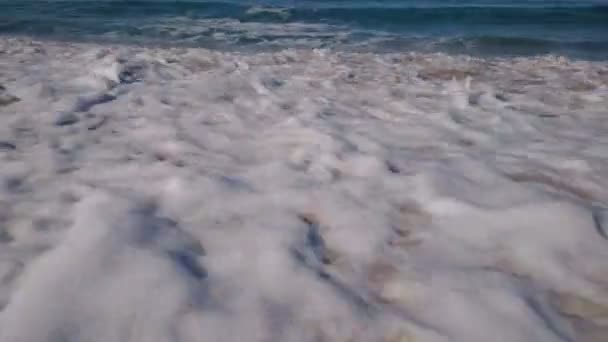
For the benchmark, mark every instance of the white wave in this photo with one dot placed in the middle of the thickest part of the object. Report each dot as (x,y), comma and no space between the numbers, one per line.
(203,25)
(282,13)
(175,194)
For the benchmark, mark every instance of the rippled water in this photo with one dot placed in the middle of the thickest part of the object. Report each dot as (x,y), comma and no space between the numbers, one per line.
(487,27)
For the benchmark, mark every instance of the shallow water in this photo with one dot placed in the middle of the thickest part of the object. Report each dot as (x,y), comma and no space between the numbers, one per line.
(187,195)
(486,27)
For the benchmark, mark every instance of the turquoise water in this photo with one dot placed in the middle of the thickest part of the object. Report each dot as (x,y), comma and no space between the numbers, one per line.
(494,27)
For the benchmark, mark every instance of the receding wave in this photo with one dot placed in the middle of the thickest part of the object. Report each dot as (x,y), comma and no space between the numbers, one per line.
(497,45)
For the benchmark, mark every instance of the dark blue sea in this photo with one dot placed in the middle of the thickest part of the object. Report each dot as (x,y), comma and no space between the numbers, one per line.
(577,28)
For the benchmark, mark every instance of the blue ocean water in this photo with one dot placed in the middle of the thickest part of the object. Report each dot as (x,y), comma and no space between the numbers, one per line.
(490,27)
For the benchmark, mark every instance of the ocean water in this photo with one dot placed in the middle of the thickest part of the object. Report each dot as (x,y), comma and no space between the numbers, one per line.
(577,28)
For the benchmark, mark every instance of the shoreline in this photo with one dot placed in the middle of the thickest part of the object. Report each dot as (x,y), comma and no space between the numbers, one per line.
(419,46)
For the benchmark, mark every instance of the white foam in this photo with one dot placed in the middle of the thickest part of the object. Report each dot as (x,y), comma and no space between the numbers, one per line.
(337,196)
(115,277)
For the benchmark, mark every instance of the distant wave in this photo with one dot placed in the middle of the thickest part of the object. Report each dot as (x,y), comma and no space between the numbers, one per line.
(266,13)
